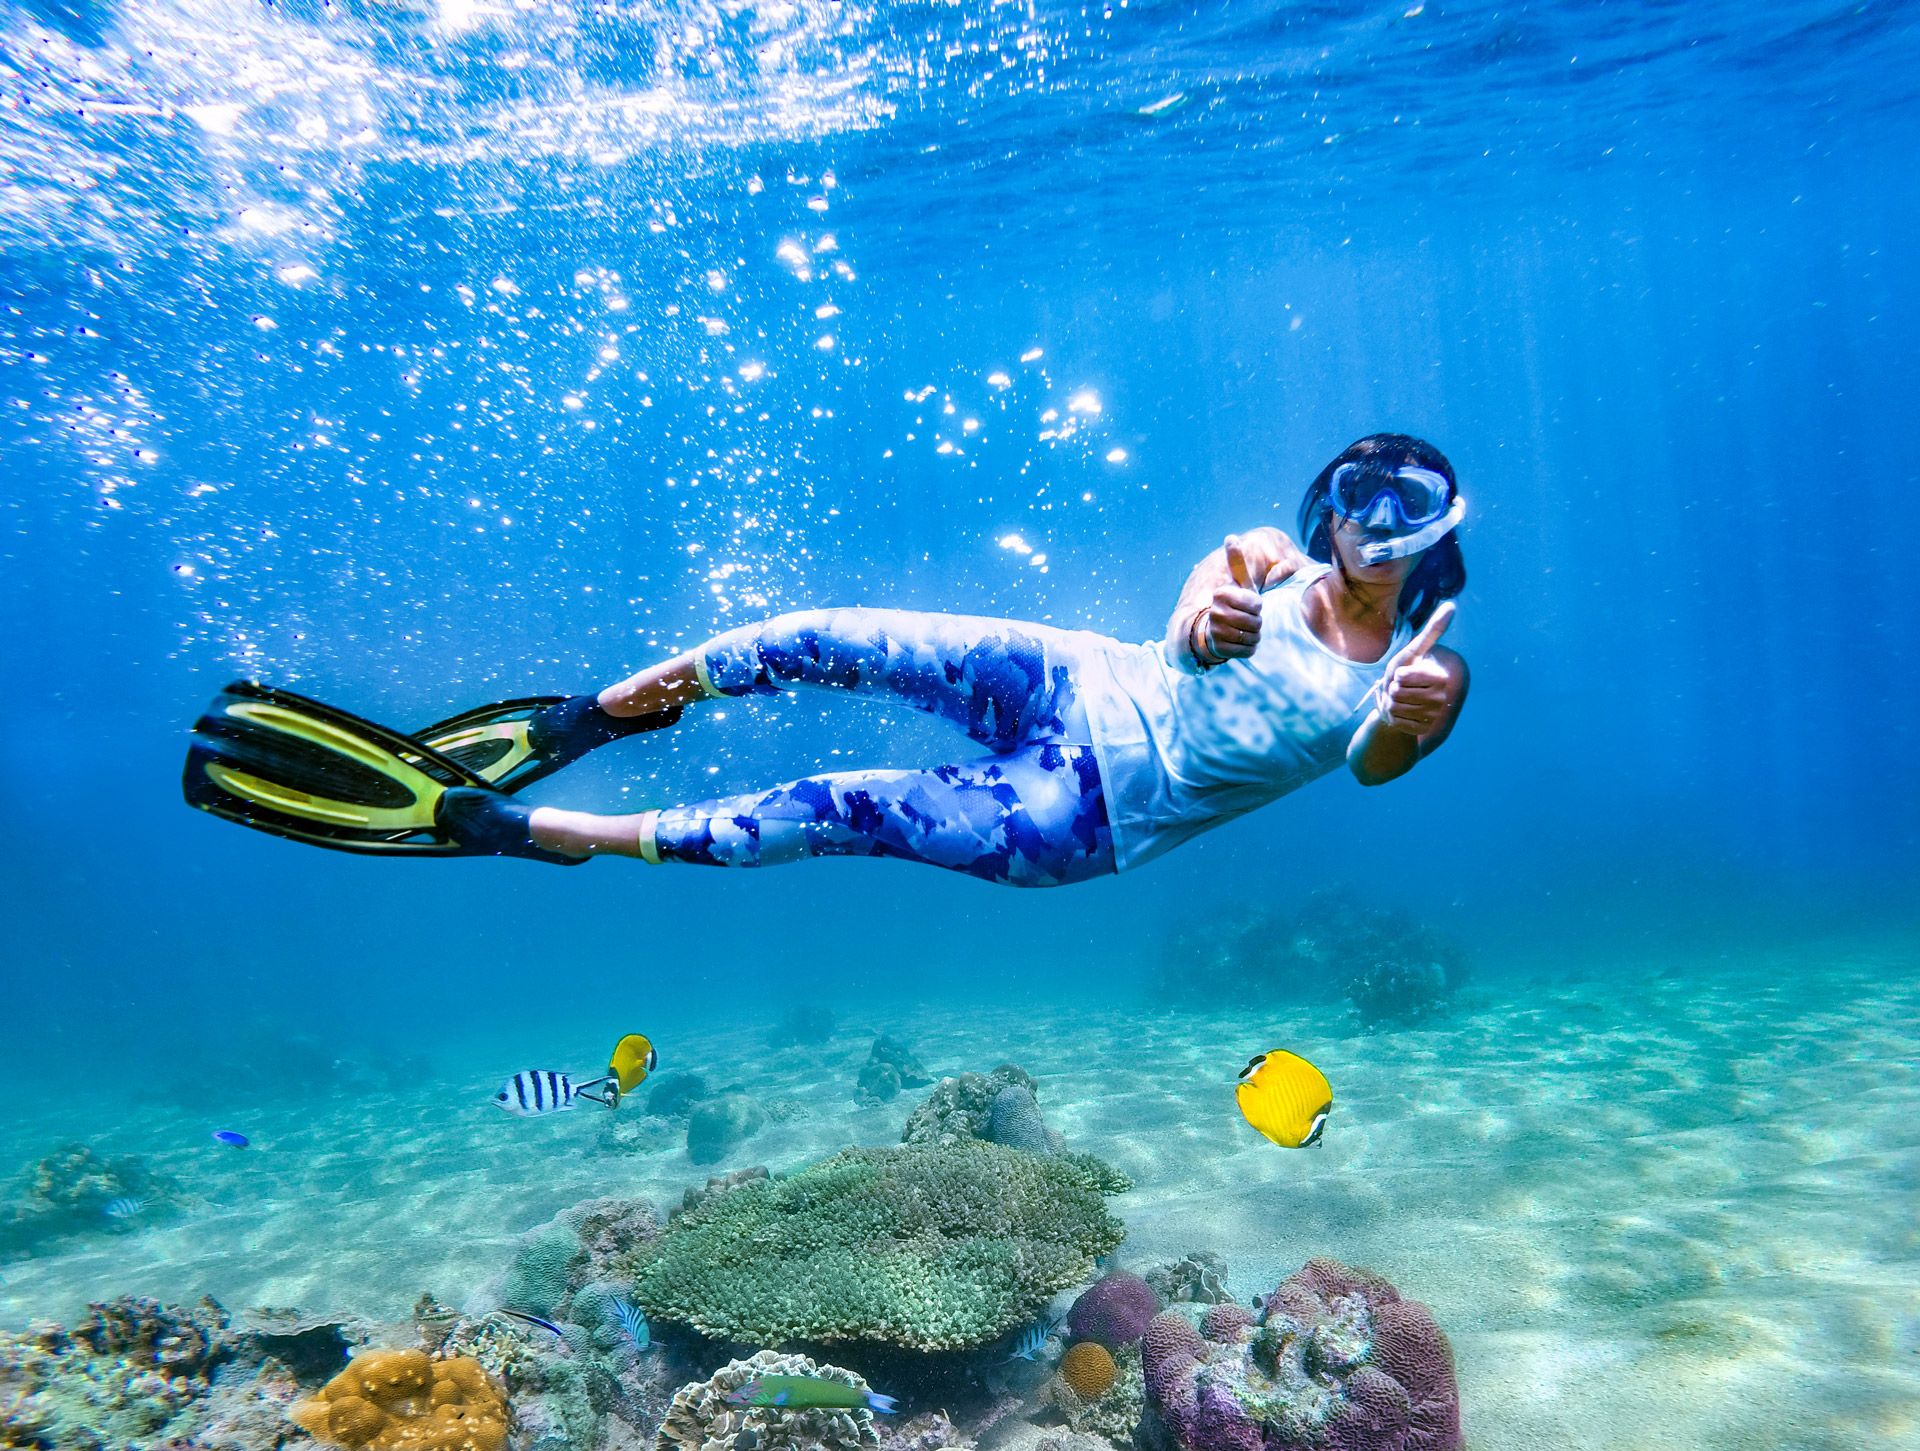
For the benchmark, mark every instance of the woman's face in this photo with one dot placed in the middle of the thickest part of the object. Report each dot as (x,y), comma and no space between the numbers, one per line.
(1348,536)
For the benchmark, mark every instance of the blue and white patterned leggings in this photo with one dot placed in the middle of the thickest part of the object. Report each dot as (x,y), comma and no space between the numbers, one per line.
(1030,815)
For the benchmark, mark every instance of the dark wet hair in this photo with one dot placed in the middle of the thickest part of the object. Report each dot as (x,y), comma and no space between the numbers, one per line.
(1442,571)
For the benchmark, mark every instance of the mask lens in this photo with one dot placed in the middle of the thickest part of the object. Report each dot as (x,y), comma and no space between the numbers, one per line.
(1418,495)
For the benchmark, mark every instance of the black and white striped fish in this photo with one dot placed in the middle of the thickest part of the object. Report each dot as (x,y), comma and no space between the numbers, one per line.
(537,1091)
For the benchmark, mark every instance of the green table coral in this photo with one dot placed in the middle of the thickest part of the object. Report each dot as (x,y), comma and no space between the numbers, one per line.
(928,1246)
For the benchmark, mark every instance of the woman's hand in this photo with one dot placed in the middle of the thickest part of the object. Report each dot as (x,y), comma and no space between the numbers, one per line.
(1230,628)
(1415,691)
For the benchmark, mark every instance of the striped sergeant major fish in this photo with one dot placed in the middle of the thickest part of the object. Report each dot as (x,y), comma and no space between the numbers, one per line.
(534,1092)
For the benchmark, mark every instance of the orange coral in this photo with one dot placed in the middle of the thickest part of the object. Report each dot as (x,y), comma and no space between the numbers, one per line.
(1088,1369)
(402,1400)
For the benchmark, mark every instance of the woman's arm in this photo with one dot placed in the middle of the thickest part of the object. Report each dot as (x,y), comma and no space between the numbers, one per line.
(1423,702)
(1218,616)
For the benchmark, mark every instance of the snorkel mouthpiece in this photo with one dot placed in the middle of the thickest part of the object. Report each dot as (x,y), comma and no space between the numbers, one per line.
(1378,551)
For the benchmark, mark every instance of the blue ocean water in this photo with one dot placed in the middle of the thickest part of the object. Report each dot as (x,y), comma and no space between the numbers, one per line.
(412,355)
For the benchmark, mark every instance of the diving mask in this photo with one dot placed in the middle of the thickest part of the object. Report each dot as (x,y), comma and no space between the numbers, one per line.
(1407,506)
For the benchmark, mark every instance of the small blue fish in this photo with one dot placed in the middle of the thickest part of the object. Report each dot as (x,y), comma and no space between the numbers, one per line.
(547,1325)
(1033,1340)
(127,1206)
(633,1324)
(231,1139)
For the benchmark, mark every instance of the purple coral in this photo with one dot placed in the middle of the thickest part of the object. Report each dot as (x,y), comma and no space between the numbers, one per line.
(1114,1310)
(1339,1362)
(1224,1322)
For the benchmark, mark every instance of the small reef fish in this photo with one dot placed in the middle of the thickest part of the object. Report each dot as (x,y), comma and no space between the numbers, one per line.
(231,1139)
(525,1318)
(1032,1340)
(806,1393)
(1285,1097)
(632,1060)
(536,1091)
(632,1323)
(127,1206)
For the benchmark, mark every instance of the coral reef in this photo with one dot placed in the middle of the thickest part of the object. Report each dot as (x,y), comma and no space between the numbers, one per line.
(701,1417)
(1201,1278)
(1013,1119)
(614,1234)
(877,1083)
(674,1094)
(959,1108)
(1115,1310)
(69,1192)
(405,1400)
(1336,1361)
(1391,968)
(890,1067)
(591,1393)
(136,1373)
(928,1431)
(803,1025)
(717,1184)
(721,1124)
(927,1246)
(540,1275)
(1088,1369)
(1098,1392)
(312,1347)
(594,1240)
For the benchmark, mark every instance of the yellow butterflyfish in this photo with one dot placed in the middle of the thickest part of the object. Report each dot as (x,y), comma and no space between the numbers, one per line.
(1285,1097)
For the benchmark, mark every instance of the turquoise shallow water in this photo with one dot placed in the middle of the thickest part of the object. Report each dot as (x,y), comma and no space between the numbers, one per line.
(1655,1207)
(415,355)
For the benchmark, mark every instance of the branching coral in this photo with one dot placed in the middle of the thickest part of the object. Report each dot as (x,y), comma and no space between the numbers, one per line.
(404,1400)
(928,1246)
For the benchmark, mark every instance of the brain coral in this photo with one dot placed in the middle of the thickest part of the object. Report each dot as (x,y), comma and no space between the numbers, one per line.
(402,1400)
(927,1246)
(702,1419)
(1114,1310)
(1013,1119)
(1088,1367)
(959,1108)
(1338,1362)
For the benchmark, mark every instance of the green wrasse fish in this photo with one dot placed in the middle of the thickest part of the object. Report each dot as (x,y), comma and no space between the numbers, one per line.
(806,1393)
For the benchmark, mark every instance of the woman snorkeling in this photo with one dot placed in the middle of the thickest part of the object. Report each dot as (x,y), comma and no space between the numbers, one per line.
(1277,665)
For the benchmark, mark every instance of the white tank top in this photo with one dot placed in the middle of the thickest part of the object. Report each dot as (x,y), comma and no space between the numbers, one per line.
(1181,753)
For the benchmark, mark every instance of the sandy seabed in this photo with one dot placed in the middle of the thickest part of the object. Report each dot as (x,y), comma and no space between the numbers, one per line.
(1672,1209)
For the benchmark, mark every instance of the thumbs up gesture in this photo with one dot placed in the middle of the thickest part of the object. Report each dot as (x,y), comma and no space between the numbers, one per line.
(1411,694)
(1230,628)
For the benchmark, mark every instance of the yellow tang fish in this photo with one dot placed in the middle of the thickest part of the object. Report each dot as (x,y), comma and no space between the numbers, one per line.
(1285,1097)
(633,1059)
